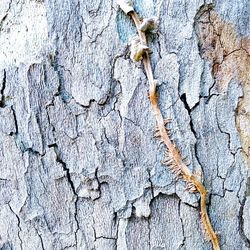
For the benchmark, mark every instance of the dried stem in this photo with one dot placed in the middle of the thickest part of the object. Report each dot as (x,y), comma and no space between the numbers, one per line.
(173,158)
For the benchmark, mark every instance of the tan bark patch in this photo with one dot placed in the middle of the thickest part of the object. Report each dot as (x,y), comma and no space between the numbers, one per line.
(230,57)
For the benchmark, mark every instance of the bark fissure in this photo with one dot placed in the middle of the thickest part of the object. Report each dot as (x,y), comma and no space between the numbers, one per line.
(241,224)
(41,240)
(19,226)
(61,88)
(68,176)
(5,16)
(2,101)
(182,226)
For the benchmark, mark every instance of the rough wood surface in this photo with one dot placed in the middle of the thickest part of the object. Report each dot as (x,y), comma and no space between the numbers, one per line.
(79,167)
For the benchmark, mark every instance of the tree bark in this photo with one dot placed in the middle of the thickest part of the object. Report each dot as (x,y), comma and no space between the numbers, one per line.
(79,167)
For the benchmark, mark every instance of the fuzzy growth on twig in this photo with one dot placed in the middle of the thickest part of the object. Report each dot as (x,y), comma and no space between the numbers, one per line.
(173,158)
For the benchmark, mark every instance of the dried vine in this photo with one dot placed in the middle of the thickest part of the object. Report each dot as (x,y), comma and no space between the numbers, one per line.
(173,159)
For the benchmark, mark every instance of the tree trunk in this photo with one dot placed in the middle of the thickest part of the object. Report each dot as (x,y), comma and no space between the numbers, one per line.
(79,167)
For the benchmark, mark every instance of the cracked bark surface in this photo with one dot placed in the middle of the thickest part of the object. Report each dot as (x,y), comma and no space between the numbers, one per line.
(80,168)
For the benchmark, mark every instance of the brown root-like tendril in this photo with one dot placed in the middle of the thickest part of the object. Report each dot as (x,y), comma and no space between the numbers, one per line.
(173,158)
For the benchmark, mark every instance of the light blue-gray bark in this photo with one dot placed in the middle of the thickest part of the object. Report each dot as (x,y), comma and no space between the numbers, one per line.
(79,167)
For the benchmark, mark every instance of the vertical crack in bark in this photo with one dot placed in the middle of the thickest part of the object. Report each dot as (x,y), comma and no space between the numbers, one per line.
(151,183)
(40,238)
(2,101)
(241,224)
(15,119)
(49,121)
(5,16)
(149,232)
(117,229)
(223,132)
(61,91)
(99,190)
(93,227)
(18,141)
(78,10)
(241,213)
(184,101)
(19,227)
(182,226)
(64,165)
(116,222)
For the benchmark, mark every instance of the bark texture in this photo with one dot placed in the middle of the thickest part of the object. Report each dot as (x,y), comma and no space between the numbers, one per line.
(79,167)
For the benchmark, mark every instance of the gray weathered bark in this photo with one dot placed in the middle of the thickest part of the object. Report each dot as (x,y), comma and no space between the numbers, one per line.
(80,168)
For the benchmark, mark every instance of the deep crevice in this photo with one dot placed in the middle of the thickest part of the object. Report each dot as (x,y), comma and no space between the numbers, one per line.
(64,165)
(182,226)
(184,101)
(15,119)
(41,240)
(241,224)
(19,227)
(151,183)
(5,16)
(61,91)
(2,101)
